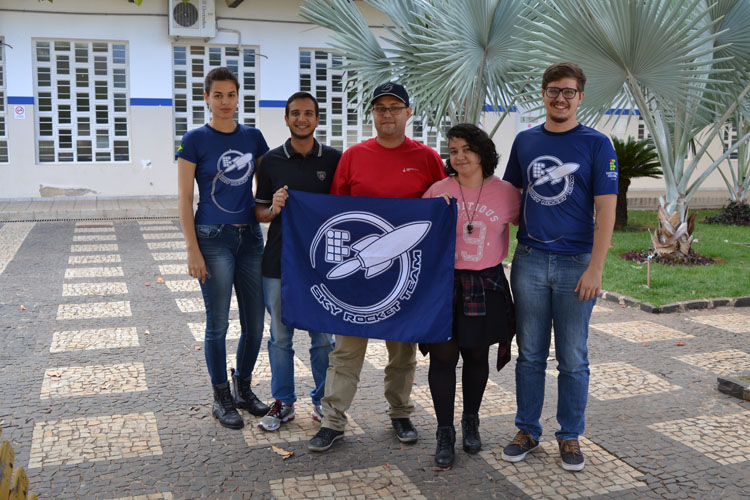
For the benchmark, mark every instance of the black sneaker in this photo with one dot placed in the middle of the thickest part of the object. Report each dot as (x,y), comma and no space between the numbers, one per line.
(521,446)
(324,439)
(405,430)
(570,453)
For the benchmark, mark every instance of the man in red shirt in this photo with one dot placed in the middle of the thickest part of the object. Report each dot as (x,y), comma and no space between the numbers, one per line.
(389,165)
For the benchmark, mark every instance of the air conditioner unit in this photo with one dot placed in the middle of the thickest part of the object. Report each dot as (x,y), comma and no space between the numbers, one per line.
(192,18)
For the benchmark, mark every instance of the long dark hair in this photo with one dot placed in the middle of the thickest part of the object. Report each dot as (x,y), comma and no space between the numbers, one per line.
(479,142)
(220,74)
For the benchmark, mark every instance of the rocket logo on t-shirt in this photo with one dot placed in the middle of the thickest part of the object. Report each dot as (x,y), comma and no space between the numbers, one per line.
(233,167)
(550,180)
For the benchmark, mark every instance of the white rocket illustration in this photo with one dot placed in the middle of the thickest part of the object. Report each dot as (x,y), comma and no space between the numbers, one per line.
(375,254)
(553,175)
(239,163)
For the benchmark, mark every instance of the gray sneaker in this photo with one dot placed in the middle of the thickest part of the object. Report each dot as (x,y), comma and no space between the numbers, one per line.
(277,415)
(317,413)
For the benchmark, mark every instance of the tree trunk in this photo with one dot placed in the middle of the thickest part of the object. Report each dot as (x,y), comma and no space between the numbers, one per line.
(621,211)
(672,237)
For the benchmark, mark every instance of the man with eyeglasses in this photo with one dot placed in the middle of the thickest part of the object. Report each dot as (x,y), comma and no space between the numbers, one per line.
(389,165)
(567,174)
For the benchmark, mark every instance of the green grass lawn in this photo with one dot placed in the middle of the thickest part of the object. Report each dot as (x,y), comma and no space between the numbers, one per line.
(728,278)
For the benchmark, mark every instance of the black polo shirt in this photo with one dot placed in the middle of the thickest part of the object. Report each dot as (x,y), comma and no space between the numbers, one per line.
(281,167)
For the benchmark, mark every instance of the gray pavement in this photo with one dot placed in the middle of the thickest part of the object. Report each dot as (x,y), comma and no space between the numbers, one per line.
(104,394)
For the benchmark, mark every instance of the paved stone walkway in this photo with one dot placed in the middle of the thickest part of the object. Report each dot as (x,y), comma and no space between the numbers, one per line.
(104,394)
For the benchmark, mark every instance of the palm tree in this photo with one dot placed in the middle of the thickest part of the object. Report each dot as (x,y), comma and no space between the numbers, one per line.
(674,61)
(738,181)
(634,159)
(454,57)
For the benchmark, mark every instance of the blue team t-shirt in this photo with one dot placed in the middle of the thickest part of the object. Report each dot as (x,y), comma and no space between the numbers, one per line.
(560,174)
(225,165)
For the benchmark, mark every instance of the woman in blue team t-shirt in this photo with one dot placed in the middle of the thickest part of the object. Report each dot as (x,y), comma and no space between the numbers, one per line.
(224,241)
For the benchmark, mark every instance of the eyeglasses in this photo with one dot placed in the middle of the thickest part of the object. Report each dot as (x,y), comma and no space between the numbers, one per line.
(393,110)
(553,92)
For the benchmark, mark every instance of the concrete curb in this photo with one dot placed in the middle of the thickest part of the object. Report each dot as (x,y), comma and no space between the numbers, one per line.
(734,387)
(686,305)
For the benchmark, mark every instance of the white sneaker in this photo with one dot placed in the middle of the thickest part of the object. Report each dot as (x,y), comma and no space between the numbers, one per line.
(317,413)
(277,415)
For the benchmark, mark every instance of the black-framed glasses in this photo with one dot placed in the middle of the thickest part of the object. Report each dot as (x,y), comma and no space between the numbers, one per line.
(393,110)
(567,92)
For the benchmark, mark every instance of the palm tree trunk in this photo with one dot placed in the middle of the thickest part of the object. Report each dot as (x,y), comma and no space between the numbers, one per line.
(621,211)
(674,234)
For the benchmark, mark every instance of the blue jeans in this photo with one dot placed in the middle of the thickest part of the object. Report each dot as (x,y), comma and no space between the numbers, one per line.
(232,255)
(543,289)
(281,350)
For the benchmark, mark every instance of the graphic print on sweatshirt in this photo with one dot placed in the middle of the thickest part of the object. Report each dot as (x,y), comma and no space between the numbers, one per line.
(234,169)
(551,180)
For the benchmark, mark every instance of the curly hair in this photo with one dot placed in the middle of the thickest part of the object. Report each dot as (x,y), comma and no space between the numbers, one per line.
(479,142)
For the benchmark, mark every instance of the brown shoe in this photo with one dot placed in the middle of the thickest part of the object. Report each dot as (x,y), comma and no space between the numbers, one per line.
(570,453)
(522,445)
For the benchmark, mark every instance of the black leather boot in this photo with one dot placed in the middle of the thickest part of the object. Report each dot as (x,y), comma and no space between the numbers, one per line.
(470,431)
(245,398)
(446,441)
(223,408)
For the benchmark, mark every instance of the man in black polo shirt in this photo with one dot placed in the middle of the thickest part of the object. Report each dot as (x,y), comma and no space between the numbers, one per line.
(301,163)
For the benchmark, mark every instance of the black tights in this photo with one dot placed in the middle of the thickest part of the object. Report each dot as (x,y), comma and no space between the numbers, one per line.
(442,377)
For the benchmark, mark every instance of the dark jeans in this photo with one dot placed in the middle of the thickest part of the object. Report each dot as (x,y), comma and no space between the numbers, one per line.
(233,256)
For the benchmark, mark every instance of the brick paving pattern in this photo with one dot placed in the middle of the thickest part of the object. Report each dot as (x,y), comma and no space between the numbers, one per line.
(724,439)
(91,439)
(94,259)
(719,362)
(640,331)
(372,483)
(108,288)
(105,394)
(103,338)
(737,323)
(620,380)
(69,381)
(539,476)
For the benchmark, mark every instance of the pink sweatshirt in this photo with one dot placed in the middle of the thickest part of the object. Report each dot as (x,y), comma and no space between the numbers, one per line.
(490,213)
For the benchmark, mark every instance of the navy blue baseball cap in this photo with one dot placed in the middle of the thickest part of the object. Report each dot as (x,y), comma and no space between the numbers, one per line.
(393,89)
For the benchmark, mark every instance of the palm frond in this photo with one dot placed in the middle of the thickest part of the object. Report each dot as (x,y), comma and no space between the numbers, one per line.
(636,158)
(678,63)
(453,57)
(366,62)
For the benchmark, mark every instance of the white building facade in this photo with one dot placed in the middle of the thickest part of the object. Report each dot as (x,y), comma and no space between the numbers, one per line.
(95,95)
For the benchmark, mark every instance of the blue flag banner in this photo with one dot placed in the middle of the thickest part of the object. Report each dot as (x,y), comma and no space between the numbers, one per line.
(368,267)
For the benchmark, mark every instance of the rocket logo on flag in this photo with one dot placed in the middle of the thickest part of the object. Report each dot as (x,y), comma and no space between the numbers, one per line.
(374,254)
(368,267)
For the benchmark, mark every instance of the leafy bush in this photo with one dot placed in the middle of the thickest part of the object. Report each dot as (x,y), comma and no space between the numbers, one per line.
(734,214)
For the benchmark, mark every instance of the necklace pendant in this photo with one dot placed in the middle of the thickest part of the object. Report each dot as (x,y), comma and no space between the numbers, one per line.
(469,228)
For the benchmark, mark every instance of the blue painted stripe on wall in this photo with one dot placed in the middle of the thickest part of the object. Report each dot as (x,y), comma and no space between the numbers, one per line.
(145,101)
(272,104)
(612,111)
(487,107)
(15,99)
(625,112)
